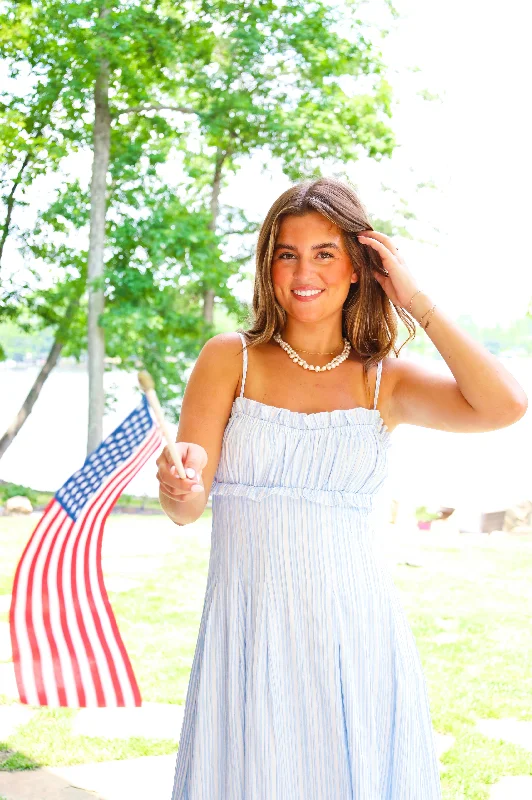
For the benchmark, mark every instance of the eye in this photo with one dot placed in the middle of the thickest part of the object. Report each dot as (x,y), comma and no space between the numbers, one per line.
(286,254)
(324,253)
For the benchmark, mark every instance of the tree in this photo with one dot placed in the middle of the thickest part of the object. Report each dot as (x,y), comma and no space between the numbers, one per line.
(235,78)
(282,80)
(113,57)
(29,147)
(157,250)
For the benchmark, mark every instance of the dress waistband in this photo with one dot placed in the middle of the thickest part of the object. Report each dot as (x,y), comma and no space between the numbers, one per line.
(324,496)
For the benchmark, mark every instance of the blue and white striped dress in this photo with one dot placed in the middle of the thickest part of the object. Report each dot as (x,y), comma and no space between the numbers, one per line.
(306,682)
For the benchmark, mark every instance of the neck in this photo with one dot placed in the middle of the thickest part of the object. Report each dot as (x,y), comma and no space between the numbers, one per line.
(322,337)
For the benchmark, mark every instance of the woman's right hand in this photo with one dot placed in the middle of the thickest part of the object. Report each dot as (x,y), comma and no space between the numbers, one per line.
(194,458)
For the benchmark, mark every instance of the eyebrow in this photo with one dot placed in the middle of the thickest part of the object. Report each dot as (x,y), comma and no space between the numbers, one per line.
(314,246)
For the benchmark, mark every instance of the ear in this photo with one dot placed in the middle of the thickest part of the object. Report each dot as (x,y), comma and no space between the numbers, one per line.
(354,277)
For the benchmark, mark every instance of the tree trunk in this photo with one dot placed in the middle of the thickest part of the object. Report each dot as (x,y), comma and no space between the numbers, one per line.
(33,394)
(95,341)
(208,295)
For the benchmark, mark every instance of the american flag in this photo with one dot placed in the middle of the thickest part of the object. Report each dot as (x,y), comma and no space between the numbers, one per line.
(67,650)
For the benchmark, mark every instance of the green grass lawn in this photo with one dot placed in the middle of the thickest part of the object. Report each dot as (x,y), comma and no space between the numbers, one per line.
(40,499)
(468,607)
(480,597)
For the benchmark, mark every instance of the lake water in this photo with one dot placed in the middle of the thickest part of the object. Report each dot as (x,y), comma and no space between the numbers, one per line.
(490,470)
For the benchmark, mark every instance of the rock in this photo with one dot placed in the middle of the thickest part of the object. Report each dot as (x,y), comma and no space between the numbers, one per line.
(18,505)
(518,518)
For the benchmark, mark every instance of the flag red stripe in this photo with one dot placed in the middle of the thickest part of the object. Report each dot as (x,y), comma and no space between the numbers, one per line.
(21,592)
(76,669)
(93,666)
(105,505)
(30,625)
(103,591)
(58,672)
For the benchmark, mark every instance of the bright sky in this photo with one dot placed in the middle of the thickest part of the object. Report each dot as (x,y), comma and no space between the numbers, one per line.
(474,145)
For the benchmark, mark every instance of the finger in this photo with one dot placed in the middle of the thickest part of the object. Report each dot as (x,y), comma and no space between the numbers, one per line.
(381,248)
(176,458)
(175,491)
(380,278)
(175,469)
(179,498)
(381,237)
(168,478)
(194,462)
(178,486)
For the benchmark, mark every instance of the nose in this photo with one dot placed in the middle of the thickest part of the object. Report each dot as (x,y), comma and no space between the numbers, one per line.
(304,266)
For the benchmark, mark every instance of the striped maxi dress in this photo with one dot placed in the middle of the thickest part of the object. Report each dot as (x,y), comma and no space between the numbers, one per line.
(306,682)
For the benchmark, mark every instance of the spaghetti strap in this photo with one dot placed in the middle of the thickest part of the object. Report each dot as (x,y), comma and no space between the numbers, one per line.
(379,371)
(245,367)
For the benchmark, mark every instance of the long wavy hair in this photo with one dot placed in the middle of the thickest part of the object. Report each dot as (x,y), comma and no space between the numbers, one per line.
(369,318)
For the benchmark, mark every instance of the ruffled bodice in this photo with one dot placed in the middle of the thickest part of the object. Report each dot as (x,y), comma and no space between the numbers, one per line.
(337,458)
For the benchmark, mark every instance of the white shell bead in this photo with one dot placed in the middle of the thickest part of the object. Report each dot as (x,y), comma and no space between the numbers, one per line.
(296,358)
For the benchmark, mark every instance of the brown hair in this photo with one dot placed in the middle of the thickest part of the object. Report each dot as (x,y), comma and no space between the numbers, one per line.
(368,318)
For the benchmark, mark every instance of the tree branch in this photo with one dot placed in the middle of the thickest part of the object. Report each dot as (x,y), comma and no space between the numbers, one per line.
(11,203)
(154,107)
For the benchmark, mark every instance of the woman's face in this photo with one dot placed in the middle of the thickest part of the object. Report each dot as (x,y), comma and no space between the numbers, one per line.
(311,269)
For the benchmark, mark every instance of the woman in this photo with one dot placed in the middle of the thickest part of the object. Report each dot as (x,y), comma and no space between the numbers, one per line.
(306,682)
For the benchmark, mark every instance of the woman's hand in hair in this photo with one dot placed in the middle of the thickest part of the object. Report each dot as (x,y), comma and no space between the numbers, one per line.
(399,284)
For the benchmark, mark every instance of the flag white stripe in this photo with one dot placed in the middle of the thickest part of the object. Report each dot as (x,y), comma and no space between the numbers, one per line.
(103,616)
(83,523)
(19,604)
(65,658)
(72,622)
(43,642)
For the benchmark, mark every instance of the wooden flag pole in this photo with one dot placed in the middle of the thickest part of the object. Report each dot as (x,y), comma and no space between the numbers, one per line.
(148,386)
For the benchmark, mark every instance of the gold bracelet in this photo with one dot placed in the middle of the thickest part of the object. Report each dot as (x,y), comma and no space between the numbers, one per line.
(431,311)
(410,304)
(424,315)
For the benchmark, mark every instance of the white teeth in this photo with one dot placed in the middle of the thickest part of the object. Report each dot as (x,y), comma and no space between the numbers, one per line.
(307,292)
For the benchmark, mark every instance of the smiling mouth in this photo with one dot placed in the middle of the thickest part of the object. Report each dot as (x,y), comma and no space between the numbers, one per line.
(307,292)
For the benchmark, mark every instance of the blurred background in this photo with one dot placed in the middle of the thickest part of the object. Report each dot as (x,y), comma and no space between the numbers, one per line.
(141,145)
(201,122)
